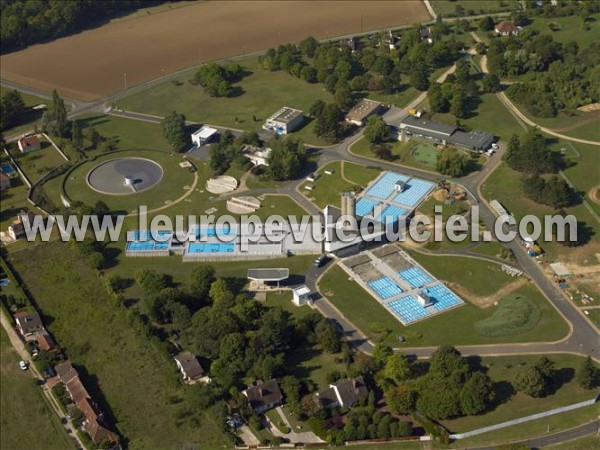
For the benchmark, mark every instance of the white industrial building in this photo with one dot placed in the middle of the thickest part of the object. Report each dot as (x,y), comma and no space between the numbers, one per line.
(284,121)
(203,135)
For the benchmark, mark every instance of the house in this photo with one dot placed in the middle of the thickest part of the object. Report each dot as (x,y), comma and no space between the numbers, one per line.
(29,323)
(93,423)
(284,121)
(258,156)
(359,114)
(4,181)
(444,134)
(29,143)
(16,230)
(203,135)
(507,28)
(301,295)
(264,396)
(352,43)
(188,365)
(344,393)
(393,42)
(426,35)
(45,342)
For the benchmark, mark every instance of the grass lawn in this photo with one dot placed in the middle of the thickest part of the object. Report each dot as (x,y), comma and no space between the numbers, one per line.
(480,277)
(326,190)
(428,208)
(358,174)
(594,315)
(276,419)
(282,205)
(505,185)
(584,443)
(456,326)
(534,428)
(12,201)
(472,7)
(27,421)
(262,94)
(489,115)
(128,133)
(569,29)
(314,364)
(37,163)
(503,370)
(123,371)
(492,248)
(401,151)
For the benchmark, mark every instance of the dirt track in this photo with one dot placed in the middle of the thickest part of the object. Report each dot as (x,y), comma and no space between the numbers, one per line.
(92,64)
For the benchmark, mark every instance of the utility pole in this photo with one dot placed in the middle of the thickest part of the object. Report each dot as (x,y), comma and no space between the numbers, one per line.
(125,79)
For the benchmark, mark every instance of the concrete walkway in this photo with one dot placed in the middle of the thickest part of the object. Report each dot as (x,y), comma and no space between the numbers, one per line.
(303,437)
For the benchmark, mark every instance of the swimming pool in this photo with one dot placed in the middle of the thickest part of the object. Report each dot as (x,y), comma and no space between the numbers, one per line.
(212,232)
(7,169)
(211,247)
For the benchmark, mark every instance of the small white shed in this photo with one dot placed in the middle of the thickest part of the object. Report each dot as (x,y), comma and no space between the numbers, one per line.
(203,135)
(301,295)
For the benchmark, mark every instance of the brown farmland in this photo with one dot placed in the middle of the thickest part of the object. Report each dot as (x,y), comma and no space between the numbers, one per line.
(92,64)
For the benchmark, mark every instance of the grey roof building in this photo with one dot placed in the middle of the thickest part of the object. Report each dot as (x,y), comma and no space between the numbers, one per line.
(447,134)
(343,393)
(264,396)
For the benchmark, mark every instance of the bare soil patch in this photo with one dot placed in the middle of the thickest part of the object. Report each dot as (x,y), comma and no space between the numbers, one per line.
(486,302)
(594,195)
(92,64)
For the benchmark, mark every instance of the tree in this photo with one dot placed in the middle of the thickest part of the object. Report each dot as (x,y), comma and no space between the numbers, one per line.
(287,158)
(530,154)
(308,46)
(316,108)
(94,137)
(54,119)
(201,279)
(290,385)
(401,399)
(587,375)
(220,293)
(76,136)
(380,355)
(438,101)
(446,361)
(490,83)
(383,151)
(458,104)
(328,337)
(531,382)
(452,162)
(343,98)
(376,130)
(151,281)
(309,74)
(486,24)
(11,108)
(328,123)
(397,367)
(419,77)
(174,131)
(476,394)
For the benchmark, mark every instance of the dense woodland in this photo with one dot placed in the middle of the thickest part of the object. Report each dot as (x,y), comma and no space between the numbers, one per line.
(26,22)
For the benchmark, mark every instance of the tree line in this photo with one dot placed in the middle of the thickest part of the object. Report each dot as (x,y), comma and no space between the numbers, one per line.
(24,22)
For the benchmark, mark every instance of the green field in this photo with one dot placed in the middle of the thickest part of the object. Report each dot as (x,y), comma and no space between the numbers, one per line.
(473,7)
(503,370)
(456,326)
(27,419)
(126,372)
(263,94)
(37,163)
(360,175)
(282,205)
(570,29)
(505,185)
(12,201)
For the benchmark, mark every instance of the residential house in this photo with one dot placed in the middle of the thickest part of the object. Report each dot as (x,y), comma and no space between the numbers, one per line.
(507,28)
(352,43)
(393,42)
(284,121)
(45,342)
(29,323)
(426,35)
(29,143)
(188,365)
(264,396)
(344,393)
(4,181)
(16,230)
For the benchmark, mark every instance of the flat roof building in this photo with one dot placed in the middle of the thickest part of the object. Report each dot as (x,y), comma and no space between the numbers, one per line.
(359,114)
(284,121)
(203,135)
(446,134)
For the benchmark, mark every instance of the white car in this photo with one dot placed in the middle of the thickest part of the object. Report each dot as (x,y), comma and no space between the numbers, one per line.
(23,365)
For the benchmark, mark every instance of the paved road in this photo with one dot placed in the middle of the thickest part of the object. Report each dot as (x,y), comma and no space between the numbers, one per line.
(19,347)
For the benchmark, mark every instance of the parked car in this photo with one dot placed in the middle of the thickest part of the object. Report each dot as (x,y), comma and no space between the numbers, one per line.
(23,365)
(321,260)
